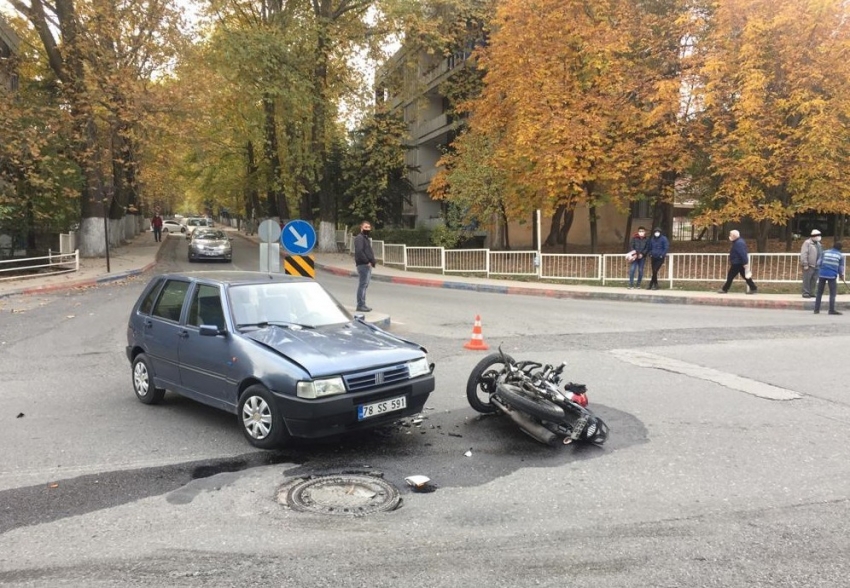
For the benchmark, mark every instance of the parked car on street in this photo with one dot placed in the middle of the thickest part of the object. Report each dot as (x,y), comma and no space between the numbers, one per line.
(210,244)
(278,351)
(172,226)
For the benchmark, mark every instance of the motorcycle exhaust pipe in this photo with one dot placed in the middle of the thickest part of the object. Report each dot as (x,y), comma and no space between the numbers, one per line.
(535,430)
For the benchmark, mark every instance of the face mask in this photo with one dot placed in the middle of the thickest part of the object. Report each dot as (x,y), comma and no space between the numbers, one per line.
(366,232)
(816,238)
(657,234)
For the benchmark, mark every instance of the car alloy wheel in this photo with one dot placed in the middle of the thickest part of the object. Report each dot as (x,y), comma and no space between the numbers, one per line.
(143,384)
(257,418)
(261,423)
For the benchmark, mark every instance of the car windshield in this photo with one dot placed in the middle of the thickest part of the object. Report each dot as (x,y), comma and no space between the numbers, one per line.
(205,234)
(285,304)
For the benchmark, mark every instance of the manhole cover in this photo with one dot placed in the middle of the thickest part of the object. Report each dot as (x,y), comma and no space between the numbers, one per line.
(342,494)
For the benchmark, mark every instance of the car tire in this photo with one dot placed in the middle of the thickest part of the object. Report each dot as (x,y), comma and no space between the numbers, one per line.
(165,230)
(483,380)
(143,385)
(260,419)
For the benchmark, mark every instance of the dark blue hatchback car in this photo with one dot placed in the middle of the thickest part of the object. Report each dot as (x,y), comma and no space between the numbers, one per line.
(278,351)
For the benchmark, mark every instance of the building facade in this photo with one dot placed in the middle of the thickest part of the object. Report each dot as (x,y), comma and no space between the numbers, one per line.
(9,46)
(411,83)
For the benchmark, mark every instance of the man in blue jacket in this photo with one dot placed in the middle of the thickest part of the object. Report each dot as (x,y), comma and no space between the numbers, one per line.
(658,248)
(831,267)
(738,260)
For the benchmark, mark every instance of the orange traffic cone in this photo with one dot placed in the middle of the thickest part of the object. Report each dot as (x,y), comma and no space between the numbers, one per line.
(477,342)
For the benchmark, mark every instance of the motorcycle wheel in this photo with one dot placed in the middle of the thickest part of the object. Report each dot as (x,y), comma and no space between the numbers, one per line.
(535,406)
(482,382)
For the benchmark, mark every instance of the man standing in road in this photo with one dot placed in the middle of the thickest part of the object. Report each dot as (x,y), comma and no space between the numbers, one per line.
(156,224)
(810,259)
(658,248)
(739,259)
(364,259)
(831,267)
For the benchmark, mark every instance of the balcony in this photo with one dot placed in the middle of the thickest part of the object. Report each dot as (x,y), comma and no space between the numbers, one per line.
(425,130)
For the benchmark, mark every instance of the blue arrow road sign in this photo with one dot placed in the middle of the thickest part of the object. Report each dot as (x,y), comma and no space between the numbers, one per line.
(298,237)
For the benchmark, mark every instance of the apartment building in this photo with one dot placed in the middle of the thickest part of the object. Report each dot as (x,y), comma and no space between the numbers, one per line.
(9,45)
(411,82)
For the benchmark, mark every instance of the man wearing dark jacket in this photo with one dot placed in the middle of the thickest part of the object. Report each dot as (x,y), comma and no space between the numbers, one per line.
(738,260)
(658,248)
(364,259)
(638,250)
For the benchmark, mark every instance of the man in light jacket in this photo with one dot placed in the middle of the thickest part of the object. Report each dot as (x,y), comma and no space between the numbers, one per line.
(811,256)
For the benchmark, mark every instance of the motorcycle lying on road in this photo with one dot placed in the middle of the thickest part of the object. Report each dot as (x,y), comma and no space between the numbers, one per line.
(533,395)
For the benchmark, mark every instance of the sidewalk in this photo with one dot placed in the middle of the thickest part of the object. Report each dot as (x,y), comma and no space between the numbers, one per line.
(140,255)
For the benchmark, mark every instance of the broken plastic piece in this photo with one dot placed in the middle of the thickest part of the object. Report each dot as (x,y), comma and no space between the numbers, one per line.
(417,481)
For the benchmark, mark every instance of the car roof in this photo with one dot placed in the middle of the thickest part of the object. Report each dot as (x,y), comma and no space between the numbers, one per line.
(236,278)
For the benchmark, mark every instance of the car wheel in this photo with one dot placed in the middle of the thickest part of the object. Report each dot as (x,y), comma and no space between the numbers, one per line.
(165,230)
(143,385)
(482,382)
(260,420)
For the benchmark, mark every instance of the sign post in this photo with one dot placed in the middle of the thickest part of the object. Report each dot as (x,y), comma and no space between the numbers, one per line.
(269,233)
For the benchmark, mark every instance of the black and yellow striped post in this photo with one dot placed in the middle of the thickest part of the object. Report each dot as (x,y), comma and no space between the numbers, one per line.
(300,265)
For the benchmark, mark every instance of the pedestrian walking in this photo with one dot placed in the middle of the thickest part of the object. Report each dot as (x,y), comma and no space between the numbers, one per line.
(156,224)
(638,250)
(832,266)
(811,255)
(739,261)
(658,248)
(364,259)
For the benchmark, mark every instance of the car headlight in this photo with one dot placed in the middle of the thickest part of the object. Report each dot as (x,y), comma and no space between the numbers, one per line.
(320,388)
(418,367)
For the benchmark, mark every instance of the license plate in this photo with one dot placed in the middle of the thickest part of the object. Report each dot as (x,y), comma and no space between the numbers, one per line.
(365,411)
(210,252)
(578,428)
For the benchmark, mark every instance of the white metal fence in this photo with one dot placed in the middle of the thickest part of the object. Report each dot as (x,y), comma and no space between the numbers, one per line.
(678,267)
(34,267)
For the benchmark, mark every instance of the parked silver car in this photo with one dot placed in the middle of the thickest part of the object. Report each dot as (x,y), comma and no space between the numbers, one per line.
(210,244)
(277,351)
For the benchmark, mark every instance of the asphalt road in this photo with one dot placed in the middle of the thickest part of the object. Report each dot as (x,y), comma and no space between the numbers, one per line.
(705,481)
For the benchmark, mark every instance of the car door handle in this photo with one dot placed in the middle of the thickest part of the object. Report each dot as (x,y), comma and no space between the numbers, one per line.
(184,334)
(148,324)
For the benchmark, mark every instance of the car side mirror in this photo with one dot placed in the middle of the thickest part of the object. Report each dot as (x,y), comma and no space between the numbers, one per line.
(209,331)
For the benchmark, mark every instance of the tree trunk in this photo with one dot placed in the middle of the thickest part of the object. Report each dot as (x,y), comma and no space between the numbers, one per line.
(569,216)
(762,231)
(252,195)
(555,227)
(277,205)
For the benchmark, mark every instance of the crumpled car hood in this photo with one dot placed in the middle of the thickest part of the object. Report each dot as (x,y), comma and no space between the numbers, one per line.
(336,349)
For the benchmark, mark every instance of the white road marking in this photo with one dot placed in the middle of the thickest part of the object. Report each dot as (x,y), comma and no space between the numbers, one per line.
(746,385)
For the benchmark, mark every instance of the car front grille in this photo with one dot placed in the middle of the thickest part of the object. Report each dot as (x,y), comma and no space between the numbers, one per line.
(376,378)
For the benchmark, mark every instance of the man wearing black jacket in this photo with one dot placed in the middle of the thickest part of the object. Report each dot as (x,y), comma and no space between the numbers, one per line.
(364,259)
(739,259)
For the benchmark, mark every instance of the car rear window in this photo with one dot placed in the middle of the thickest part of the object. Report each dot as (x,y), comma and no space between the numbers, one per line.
(147,302)
(170,302)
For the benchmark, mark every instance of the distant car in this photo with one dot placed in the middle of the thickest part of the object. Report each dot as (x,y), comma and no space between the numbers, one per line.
(172,226)
(192,223)
(277,351)
(210,244)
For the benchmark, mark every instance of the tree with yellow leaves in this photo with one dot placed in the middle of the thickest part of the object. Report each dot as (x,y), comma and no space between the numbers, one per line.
(776,92)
